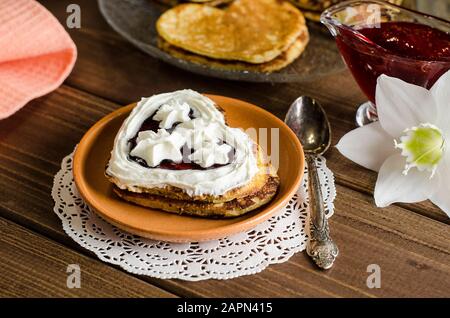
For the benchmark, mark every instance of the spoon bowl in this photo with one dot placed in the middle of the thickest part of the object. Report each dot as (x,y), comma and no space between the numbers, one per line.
(309,122)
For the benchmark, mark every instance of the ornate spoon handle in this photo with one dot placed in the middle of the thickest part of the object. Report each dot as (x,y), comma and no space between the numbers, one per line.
(320,247)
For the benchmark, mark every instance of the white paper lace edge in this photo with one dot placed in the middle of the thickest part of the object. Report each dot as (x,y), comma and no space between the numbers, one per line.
(273,241)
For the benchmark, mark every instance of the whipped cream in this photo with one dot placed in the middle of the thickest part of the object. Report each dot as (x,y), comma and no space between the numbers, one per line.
(171,113)
(210,154)
(202,133)
(155,147)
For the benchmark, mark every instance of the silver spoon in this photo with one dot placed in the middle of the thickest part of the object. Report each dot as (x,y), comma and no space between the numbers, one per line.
(309,122)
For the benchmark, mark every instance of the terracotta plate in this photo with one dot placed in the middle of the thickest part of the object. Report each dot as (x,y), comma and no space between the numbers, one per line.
(93,153)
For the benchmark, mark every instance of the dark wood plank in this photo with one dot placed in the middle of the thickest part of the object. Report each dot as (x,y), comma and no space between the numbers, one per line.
(110,67)
(412,250)
(34,266)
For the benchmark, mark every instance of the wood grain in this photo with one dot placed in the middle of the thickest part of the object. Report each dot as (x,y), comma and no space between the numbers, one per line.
(33,266)
(412,250)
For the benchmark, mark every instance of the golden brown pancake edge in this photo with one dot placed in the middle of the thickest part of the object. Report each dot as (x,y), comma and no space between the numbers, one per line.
(229,34)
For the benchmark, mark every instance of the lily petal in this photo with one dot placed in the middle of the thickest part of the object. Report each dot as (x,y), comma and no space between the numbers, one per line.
(401,105)
(441,94)
(392,186)
(368,146)
(441,193)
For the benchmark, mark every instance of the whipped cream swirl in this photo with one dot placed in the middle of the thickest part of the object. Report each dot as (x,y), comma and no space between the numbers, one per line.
(206,133)
(171,113)
(156,147)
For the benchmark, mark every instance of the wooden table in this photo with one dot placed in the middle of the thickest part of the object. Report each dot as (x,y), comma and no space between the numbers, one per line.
(410,243)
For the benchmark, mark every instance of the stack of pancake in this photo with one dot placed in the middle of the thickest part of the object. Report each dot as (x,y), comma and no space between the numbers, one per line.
(258,192)
(312,9)
(209,2)
(254,35)
(242,184)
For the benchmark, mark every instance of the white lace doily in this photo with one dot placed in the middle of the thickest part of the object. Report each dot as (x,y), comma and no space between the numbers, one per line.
(273,241)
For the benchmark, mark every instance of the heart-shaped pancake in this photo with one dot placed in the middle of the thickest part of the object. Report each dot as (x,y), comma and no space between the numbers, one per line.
(252,31)
(175,152)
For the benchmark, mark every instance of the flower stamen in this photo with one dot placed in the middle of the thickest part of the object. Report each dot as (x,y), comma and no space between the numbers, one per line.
(423,146)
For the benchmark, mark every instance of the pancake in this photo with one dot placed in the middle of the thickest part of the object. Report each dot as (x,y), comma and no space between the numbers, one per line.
(233,208)
(312,9)
(148,165)
(281,61)
(265,172)
(314,5)
(214,3)
(312,15)
(252,31)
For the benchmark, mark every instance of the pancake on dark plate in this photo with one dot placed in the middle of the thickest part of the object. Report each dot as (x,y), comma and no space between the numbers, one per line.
(255,35)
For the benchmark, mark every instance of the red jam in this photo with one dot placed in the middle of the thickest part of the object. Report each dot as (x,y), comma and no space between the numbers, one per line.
(415,53)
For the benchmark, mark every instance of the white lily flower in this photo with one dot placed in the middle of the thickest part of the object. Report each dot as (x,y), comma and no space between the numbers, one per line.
(407,146)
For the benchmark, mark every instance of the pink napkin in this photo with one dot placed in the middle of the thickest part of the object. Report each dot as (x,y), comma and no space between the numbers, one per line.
(36,53)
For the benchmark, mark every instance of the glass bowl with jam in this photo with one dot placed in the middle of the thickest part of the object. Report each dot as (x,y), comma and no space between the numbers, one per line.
(375,37)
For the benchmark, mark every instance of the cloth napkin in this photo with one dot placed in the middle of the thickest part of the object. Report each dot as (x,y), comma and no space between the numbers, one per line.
(36,53)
